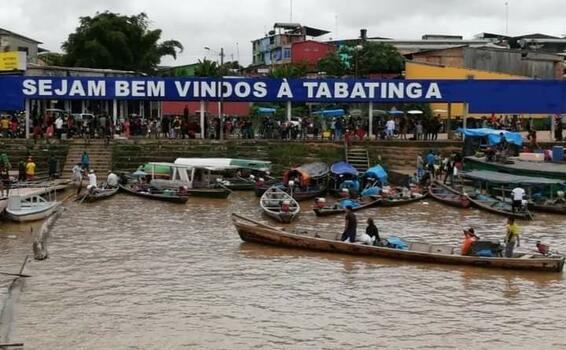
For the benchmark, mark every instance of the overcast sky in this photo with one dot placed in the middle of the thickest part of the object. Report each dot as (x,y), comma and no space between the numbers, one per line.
(232,24)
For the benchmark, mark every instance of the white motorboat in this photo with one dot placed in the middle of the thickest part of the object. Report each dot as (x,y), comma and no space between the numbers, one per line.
(32,208)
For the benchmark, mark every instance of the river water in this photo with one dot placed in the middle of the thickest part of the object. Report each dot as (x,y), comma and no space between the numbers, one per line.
(129,273)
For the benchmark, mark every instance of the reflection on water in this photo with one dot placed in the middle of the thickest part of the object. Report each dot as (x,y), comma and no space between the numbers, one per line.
(135,274)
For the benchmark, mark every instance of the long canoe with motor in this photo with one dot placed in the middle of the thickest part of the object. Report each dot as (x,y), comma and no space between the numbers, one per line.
(338,208)
(445,196)
(217,193)
(97,195)
(279,205)
(255,232)
(163,196)
(548,207)
(399,201)
(496,206)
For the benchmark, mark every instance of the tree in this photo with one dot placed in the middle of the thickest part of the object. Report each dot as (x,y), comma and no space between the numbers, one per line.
(290,70)
(52,59)
(113,41)
(207,68)
(378,58)
(333,65)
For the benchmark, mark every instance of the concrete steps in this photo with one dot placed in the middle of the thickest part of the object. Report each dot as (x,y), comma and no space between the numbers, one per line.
(359,158)
(100,156)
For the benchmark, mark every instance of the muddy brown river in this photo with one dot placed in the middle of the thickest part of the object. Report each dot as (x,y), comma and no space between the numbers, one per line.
(135,274)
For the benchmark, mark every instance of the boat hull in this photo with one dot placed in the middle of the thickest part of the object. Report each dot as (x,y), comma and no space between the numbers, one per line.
(91,198)
(508,213)
(162,198)
(262,234)
(386,202)
(209,193)
(331,211)
(445,196)
(34,216)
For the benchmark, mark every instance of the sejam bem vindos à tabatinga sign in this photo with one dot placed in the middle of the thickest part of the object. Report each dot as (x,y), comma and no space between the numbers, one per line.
(483,96)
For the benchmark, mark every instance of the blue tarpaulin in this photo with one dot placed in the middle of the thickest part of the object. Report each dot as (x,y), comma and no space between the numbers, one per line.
(377,172)
(493,135)
(343,168)
(331,113)
(266,110)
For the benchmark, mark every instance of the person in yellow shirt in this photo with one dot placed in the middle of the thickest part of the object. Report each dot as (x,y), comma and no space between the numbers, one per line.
(511,238)
(4,126)
(30,169)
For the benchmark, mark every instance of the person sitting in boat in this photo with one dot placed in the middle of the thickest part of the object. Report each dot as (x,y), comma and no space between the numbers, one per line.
(503,145)
(183,191)
(469,239)
(92,182)
(349,235)
(518,195)
(285,206)
(320,203)
(560,198)
(112,180)
(373,231)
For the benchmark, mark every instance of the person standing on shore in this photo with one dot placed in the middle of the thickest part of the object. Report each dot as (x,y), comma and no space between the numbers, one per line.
(30,169)
(511,238)
(351,226)
(85,161)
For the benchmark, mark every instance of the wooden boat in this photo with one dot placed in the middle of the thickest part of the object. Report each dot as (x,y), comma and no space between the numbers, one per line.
(262,186)
(443,195)
(548,207)
(399,199)
(239,184)
(253,231)
(337,209)
(199,181)
(165,196)
(97,195)
(307,181)
(32,208)
(342,175)
(497,206)
(279,205)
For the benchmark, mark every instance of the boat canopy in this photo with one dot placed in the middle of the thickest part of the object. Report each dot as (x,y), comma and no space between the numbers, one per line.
(377,172)
(508,179)
(493,136)
(307,172)
(330,113)
(219,164)
(343,168)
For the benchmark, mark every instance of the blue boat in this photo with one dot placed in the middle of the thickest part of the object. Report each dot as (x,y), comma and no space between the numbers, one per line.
(344,176)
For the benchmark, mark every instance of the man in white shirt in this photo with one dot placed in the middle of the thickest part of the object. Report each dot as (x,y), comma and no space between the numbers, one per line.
(59,126)
(390,128)
(518,195)
(112,180)
(92,183)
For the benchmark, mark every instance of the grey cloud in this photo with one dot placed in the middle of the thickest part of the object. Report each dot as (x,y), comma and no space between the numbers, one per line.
(223,23)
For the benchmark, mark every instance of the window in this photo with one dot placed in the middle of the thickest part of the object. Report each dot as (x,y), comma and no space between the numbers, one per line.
(23,49)
(286,53)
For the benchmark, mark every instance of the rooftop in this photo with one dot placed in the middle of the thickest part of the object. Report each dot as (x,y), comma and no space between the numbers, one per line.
(7,32)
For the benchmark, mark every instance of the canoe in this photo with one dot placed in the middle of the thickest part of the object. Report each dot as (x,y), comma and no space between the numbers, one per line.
(97,195)
(335,209)
(160,196)
(445,196)
(239,184)
(399,201)
(496,206)
(255,232)
(218,193)
(310,180)
(272,205)
(548,208)
(30,209)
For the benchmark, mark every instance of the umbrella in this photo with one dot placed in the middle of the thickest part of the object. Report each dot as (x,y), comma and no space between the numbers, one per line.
(415,112)
(396,112)
(439,111)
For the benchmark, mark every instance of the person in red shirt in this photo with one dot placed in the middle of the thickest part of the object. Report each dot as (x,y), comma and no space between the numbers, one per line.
(469,239)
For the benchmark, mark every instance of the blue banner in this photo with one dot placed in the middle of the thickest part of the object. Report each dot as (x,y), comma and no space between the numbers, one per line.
(483,96)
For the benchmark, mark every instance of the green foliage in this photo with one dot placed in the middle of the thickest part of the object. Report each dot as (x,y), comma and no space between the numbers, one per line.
(333,65)
(113,41)
(290,70)
(207,68)
(53,59)
(378,58)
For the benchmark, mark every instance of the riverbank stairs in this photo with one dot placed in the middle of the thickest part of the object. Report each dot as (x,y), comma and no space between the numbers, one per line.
(358,157)
(99,153)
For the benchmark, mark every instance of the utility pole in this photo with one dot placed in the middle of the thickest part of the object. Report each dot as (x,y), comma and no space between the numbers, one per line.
(506,18)
(291,11)
(221,106)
